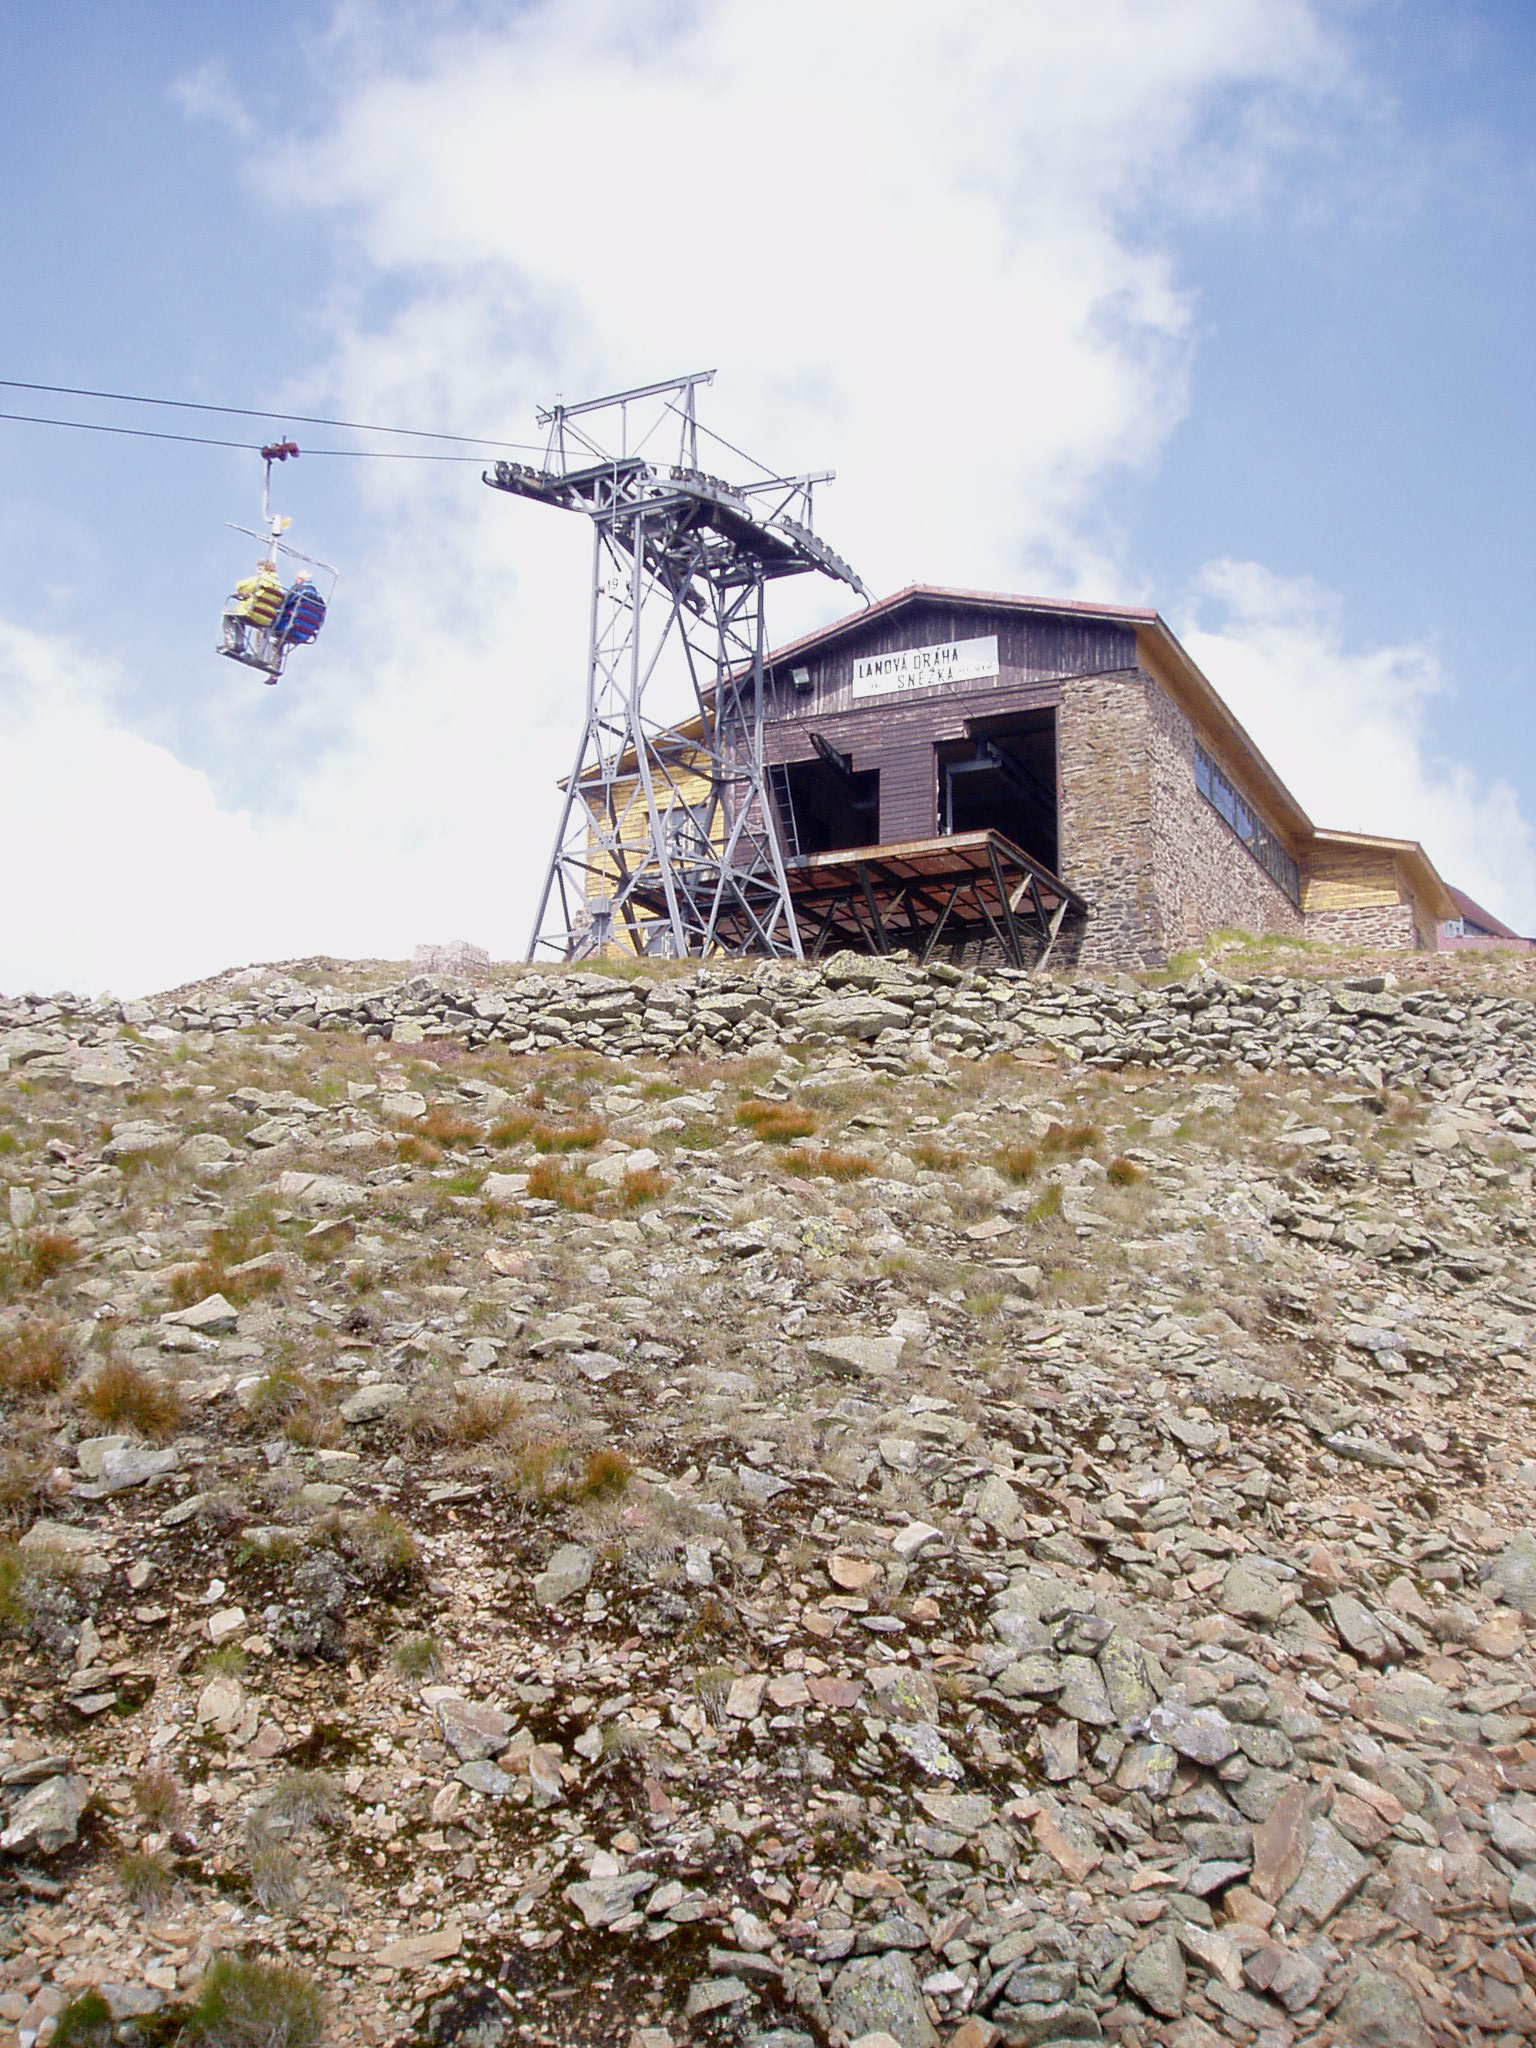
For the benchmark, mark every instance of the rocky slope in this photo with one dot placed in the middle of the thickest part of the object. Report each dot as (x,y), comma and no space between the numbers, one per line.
(774,1506)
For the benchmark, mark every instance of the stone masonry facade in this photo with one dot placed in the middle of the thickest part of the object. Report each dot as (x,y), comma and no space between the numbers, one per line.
(1159,868)
(1104,821)
(1379,927)
(1206,879)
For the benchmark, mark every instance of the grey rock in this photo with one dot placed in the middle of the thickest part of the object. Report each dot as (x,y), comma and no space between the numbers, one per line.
(1127,1681)
(47,1818)
(1156,1975)
(1251,1595)
(371,1404)
(1378,2011)
(856,1354)
(472,1729)
(602,1900)
(209,1317)
(133,1464)
(1333,1872)
(568,1571)
(998,1505)
(881,1993)
(1358,1629)
(1083,1693)
(1512,1575)
(1200,1733)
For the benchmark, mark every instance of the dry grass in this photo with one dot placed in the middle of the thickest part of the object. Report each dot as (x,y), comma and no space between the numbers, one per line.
(1124,1173)
(512,1127)
(580,1135)
(776,1123)
(27,1268)
(147,1877)
(35,1360)
(119,1396)
(445,1126)
(443,1413)
(549,1181)
(1016,1162)
(831,1164)
(607,1472)
(1068,1140)
(157,1796)
(641,1185)
(290,1400)
(936,1158)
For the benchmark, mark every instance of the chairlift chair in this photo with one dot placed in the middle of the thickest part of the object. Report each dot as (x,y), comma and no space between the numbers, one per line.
(262,622)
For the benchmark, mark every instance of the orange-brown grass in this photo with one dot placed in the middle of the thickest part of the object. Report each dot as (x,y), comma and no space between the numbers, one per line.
(1016,1162)
(775,1122)
(641,1185)
(32,1265)
(607,1472)
(549,1181)
(832,1164)
(511,1128)
(1069,1138)
(937,1158)
(1124,1173)
(411,1150)
(579,1136)
(445,1126)
(118,1394)
(35,1360)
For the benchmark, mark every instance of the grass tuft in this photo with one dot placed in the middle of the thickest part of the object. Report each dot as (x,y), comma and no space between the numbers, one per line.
(1124,1173)
(606,1474)
(578,1136)
(119,1395)
(1016,1162)
(641,1185)
(417,1657)
(549,1181)
(776,1123)
(245,2003)
(147,1878)
(27,1268)
(86,2022)
(832,1164)
(35,1360)
(157,1796)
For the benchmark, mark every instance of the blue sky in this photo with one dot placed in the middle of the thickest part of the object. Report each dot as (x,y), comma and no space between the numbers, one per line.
(1226,306)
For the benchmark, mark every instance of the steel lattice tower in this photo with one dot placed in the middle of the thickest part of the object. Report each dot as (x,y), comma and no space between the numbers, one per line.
(668,840)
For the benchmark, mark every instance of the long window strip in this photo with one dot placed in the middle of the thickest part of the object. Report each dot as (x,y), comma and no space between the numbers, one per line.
(1247,826)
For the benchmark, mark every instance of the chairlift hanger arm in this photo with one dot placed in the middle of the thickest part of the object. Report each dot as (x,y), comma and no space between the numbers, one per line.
(547,415)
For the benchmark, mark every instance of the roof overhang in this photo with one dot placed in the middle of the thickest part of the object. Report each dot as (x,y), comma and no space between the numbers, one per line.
(1420,869)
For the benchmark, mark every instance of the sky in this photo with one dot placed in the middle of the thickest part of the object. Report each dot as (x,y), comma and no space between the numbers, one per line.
(1223,306)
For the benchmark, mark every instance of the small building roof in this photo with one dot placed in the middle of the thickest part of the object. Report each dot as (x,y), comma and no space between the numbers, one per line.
(1422,872)
(1469,908)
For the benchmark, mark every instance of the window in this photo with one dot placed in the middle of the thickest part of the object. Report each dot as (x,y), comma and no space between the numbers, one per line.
(1253,832)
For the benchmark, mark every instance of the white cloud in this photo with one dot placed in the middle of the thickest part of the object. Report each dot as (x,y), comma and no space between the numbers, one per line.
(1348,730)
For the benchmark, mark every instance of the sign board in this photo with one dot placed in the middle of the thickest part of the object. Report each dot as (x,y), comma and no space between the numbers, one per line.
(925,668)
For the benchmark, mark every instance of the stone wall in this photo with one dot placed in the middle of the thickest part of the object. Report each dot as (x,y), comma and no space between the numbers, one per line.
(890,1013)
(1379,927)
(1105,817)
(1206,879)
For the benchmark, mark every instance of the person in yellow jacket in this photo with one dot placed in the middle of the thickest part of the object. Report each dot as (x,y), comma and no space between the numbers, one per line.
(260,596)
(255,604)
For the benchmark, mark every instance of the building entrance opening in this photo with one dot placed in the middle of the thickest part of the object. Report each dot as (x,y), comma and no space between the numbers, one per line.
(825,806)
(1002,778)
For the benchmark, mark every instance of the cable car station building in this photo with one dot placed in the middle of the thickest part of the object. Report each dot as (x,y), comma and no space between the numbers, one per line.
(1049,779)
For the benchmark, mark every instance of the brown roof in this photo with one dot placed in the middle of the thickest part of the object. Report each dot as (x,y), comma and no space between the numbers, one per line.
(1485,920)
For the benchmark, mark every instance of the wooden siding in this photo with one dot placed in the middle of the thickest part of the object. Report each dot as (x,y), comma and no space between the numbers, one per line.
(897,733)
(1349,879)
